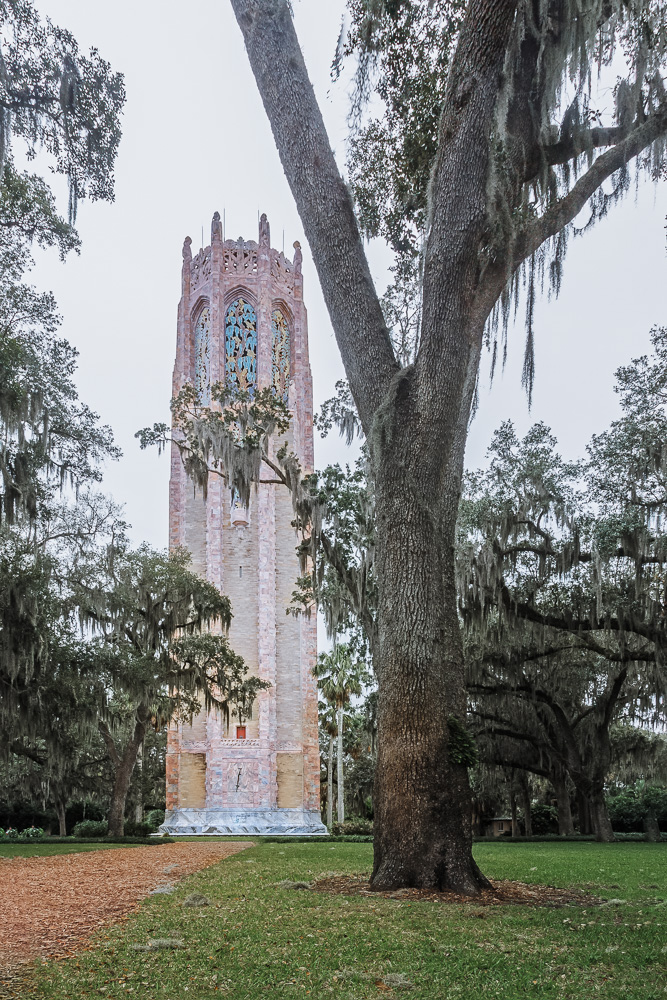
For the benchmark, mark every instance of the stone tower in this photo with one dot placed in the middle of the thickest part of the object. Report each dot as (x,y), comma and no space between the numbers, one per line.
(242,320)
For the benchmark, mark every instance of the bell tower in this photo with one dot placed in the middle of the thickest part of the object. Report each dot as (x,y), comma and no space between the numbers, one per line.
(242,321)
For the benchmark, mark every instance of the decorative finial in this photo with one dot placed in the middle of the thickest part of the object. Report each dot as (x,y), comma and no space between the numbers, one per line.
(264,231)
(187,252)
(298,257)
(216,228)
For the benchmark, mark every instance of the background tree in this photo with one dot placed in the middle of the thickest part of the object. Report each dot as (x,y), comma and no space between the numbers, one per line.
(67,105)
(562,570)
(153,620)
(328,728)
(339,678)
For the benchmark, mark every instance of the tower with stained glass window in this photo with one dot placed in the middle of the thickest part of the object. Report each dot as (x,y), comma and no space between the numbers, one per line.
(242,321)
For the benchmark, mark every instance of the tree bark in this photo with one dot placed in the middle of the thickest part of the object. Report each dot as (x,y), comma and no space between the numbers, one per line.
(340,812)
(330,783)
(584,811)
(602,827)
(123,765)
(524,791)
(651,828)
(62,823)
(565,824)
(423,818)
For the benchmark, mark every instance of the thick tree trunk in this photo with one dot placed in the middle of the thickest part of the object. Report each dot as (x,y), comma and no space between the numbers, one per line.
(652,829)
(584,811)
(340,815)
(602,827)
(62,823)
(123,766)
(330,783)
(524,790)
(565,824)
(423,808)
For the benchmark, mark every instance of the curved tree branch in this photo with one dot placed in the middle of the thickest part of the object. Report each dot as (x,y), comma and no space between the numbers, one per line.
(568,207)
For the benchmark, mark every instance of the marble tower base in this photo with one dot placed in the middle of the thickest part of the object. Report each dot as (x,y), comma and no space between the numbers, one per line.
(236,822)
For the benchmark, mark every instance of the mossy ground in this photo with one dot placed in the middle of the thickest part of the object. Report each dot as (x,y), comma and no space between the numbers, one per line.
(257,940)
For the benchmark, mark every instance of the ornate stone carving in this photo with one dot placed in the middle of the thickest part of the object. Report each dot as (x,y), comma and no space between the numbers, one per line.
(216,228)
(280,355)
(203,356)
(187,249)
(201,268)
(239,257)
(282,270)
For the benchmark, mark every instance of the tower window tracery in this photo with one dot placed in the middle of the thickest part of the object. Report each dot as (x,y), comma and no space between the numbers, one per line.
(203,356)
(241,346)
(280,356)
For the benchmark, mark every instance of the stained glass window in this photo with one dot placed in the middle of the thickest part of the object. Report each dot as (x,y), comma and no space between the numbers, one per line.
(280,355)
(241,346)
(203,357)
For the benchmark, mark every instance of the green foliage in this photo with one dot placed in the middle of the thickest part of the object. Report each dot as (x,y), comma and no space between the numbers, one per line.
(134,829)
(338,677)
(403,52)
(32,833)
(227,439)
(629,807)
(544,819)
(90,828)
(52,97)
(155,818)
(461,745)
(546,135)
(353,827)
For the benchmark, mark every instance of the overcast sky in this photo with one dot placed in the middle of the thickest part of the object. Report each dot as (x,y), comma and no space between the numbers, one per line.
(196,140)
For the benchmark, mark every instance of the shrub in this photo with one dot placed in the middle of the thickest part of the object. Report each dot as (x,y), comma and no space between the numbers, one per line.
(133,829)
(155,818)
(353,827)
(91,828)
(33,833)
(11,833)
(629,807)
(544,819)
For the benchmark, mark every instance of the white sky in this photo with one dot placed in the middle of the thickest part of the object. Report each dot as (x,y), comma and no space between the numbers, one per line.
(196,140)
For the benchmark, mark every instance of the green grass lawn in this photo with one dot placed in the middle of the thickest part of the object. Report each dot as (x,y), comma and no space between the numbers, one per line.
(258,940)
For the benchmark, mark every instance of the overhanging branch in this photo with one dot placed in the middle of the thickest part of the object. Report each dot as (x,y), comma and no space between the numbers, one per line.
(567,208)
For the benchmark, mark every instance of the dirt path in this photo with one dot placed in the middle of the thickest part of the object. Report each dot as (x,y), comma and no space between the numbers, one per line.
(50,904)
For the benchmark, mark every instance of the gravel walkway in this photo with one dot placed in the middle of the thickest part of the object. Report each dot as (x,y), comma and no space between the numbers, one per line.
(51,904)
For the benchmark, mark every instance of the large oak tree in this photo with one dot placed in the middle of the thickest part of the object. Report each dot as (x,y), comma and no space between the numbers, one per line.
(518,150)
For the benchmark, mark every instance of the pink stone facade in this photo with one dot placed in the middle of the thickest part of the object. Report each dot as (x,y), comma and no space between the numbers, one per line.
(269,781)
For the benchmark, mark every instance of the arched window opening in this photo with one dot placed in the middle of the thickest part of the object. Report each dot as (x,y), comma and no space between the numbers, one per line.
(241,347)
(203,357)
(280,355)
